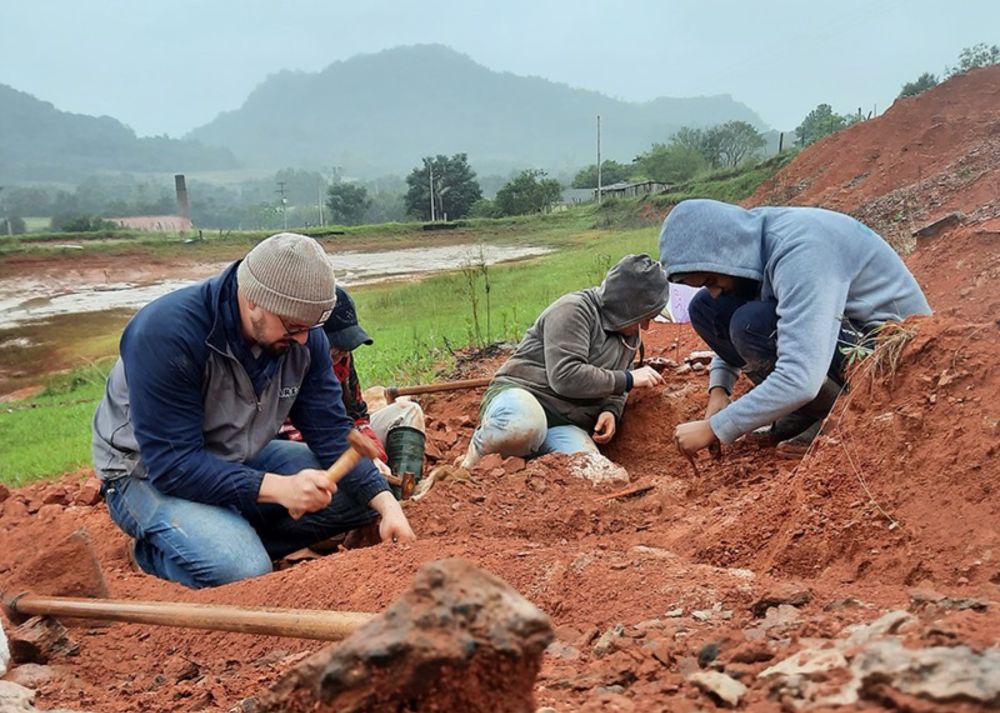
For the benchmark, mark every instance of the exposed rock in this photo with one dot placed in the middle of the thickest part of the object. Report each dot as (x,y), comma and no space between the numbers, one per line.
(607,641)
(513,464)
(15,697)
(723,687)
(701,357)
(940,673)
(15,509)
(597,469)
(789,595)
(752,653)
(38,639)
(660,649)
(809,661)
(779,619)
(708,654)
(56,496)
(68,568)
(559,650)
(33,675)
(489,462)
(870,660)
(89,493)
(920,598)
(459,639)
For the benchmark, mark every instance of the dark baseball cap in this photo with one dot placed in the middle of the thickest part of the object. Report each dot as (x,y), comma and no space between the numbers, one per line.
(342,328)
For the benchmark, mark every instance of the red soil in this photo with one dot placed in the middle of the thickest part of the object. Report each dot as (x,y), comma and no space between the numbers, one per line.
(900,493)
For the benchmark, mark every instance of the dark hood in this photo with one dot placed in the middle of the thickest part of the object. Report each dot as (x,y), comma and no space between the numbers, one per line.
(634,289)
(709,236)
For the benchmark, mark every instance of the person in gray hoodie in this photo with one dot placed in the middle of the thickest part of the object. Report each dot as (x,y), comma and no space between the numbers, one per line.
(787,291)
(565,386)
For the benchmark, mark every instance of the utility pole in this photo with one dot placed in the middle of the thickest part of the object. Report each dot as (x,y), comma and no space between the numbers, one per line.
(430,179)
(319,201)
(598,159)
(284,203)
(9,228)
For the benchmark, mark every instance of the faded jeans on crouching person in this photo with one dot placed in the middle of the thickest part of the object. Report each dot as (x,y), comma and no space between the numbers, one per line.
(745,334)
(515,424)
(201,545)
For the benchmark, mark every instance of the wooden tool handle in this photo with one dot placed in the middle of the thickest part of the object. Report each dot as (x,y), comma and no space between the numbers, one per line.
(358,446)
(300,623)
(393,391)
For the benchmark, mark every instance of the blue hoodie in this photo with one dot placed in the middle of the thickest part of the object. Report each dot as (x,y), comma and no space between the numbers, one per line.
(820,266)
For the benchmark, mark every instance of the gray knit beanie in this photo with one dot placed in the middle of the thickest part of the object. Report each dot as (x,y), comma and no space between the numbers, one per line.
(290,275)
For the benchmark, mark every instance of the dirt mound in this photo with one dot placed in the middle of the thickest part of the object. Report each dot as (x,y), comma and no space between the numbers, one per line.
(959,271)
(925,157)
(902,484)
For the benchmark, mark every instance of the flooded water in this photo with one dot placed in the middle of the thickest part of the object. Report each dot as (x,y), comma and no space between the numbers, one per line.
(34,299)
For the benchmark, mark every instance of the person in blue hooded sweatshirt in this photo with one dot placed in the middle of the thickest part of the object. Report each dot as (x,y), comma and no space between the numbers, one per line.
(786,290)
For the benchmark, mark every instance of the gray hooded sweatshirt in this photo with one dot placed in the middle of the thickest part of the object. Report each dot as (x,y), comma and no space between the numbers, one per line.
(820,266)
(573,359)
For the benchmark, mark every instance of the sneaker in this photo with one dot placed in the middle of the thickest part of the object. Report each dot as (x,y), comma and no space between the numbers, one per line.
(785,428)
(797,446)
(472,456)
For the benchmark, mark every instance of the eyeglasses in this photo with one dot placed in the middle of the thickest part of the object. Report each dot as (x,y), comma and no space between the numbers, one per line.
(292,330)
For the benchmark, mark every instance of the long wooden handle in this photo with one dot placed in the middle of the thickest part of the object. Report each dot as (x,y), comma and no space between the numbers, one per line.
(299,623)
(393,391)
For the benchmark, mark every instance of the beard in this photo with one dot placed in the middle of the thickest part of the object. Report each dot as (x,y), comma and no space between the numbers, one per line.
(274,348)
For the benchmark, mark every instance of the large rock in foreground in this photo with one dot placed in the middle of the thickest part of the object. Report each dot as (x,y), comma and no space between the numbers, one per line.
(459,639)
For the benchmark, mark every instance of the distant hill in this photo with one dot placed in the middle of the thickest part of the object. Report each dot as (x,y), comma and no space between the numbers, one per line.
(41,143)
(380,113)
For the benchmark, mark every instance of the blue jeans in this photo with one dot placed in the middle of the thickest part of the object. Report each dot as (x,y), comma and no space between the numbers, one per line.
(515,424)
(745,334)
(201,545)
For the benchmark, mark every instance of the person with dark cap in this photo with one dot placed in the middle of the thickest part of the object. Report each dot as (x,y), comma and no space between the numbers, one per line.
(184,440)
(564,388)
(788,290)
(397,429)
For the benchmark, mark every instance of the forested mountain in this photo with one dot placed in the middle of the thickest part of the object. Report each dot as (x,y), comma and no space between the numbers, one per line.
(41,143)
(380,113)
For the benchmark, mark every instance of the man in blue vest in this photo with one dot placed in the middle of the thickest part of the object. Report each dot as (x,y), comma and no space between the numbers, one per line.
(184,439)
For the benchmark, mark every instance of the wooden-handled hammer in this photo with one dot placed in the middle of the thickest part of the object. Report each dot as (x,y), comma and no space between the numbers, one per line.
(358,446)
(392,392)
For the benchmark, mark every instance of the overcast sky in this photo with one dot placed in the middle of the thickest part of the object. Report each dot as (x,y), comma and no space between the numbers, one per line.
(167,67)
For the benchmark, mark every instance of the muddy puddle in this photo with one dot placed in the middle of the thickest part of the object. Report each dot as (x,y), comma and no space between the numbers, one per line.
(25,300)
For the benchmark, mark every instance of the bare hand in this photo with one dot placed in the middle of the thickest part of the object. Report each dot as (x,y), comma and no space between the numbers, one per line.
(308,490)
(382,467)
(646,376)
(394,526)
(694,436)
(604,431)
